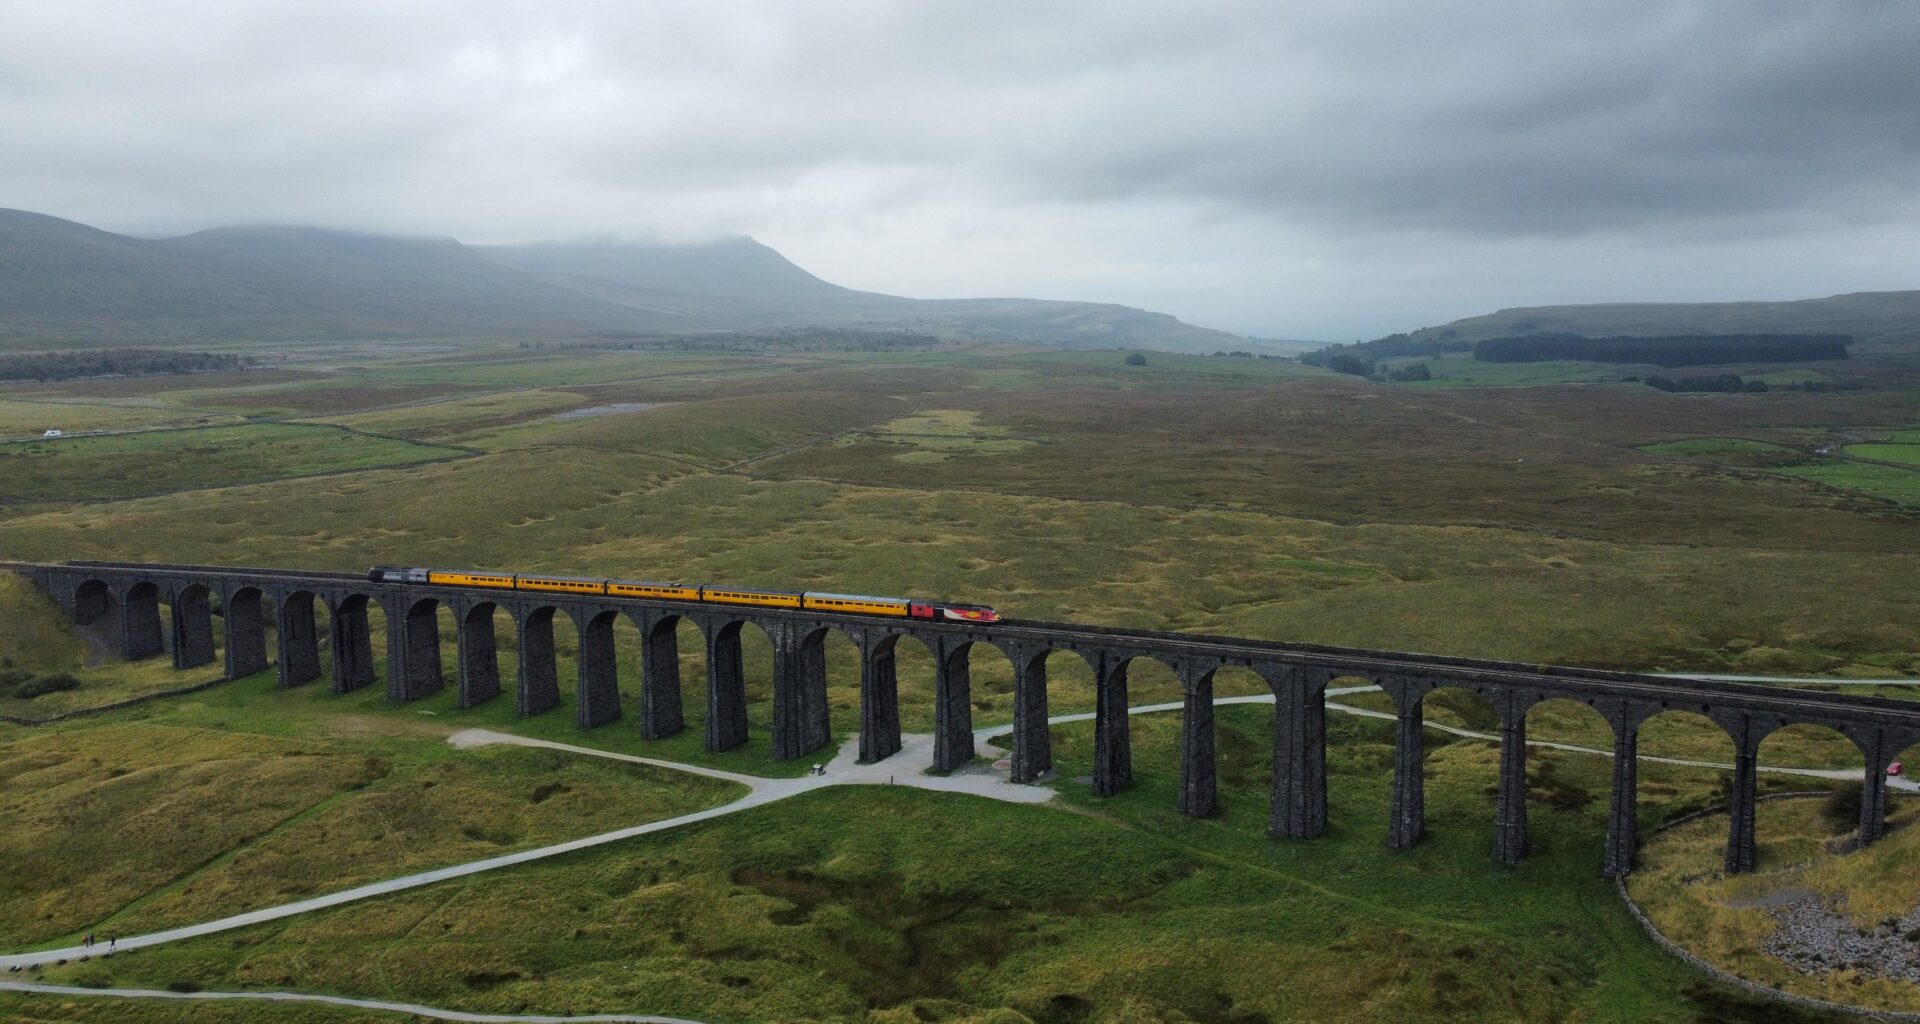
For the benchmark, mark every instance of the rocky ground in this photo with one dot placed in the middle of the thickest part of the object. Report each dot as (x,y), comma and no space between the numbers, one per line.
(1817,938)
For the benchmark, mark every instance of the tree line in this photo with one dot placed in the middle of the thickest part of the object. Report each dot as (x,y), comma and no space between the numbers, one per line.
(1729,383)
(114,362)
(1666,350)
(1393,346)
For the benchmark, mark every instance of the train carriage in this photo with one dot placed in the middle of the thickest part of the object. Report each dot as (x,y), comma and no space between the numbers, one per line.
(841,604)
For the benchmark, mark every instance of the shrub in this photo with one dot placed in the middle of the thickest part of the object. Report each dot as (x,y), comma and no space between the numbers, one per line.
(1344,363)
(12,677)
(1842,807)
(46,684)
(1137,359)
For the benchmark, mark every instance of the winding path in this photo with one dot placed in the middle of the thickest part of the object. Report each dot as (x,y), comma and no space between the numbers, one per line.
(843,770)
(431,1012)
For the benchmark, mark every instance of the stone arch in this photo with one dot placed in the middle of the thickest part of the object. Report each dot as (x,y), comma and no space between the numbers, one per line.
(994,699)
(351,640)
(952,702)
(1808,745)
(1903,750)
(1457,706)
(597,695)
(729,646)
(879,699)
(95,604)
(1683,731)
(93,599)
(1140,679)
(245,623)
(665,639)
(1193,733)
(142,633)
(191,619)
(1567,781)
(414,668)
(915,671)
(537,675)
(831,666)
(1689,732)
(299,637)
(478,653)
(1071,688)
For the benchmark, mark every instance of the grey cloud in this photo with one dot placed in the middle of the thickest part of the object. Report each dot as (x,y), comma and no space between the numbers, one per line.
(954,131)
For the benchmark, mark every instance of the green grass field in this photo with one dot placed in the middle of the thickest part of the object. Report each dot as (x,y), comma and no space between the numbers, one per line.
(1904,453)
(1535,521)
(126,465)
(882,904)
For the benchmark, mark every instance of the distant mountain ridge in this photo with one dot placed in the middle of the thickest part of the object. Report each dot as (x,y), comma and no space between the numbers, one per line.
(1871,317)
(64,281)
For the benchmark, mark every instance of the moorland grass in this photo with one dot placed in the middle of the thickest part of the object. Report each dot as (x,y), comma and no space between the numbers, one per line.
(884,904)
(30,419)
(153,821)
(1248,497)
(123,465)
(1801,854)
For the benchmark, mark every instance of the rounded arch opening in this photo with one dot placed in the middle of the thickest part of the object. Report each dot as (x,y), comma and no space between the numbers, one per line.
(1460,761)
(246,631)
(358,627)
(93,600)
(142,630)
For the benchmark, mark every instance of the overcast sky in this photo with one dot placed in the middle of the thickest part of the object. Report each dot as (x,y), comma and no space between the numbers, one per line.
(1322,170)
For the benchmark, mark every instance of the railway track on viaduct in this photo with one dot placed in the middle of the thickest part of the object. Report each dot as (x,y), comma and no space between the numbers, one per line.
(125,598)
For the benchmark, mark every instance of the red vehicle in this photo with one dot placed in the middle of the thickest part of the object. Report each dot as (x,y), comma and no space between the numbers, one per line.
(960,612)
(1894,768)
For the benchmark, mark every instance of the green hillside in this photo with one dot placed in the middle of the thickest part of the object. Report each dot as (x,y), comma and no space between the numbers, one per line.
(63,284)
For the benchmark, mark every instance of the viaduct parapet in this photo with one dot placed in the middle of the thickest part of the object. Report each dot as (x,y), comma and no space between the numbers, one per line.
(124,599)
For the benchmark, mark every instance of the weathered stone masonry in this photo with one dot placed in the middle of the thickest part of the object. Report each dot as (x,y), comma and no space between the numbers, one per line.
(124,601)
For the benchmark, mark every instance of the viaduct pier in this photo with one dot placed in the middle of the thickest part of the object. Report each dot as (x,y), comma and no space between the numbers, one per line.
(124,599)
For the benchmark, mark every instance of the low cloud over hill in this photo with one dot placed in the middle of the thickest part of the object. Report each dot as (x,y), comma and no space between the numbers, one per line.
(62,281)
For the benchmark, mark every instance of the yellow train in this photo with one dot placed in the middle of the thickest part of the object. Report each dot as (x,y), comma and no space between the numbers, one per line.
(844,604)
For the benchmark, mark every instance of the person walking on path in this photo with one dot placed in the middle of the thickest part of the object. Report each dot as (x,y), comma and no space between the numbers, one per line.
(112,940)
(88,941)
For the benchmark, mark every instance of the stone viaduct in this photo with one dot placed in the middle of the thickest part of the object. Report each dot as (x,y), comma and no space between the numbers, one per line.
(125,600)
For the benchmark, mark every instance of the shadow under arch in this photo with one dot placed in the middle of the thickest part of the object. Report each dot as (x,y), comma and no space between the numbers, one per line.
(662,700)
(299,637)
(728,694)
(414,668)
(95,604)
(819,679)
(141,632)
(478,653)
(351,641)
(536,678)
(191,618)
(597,692)
(245,624)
